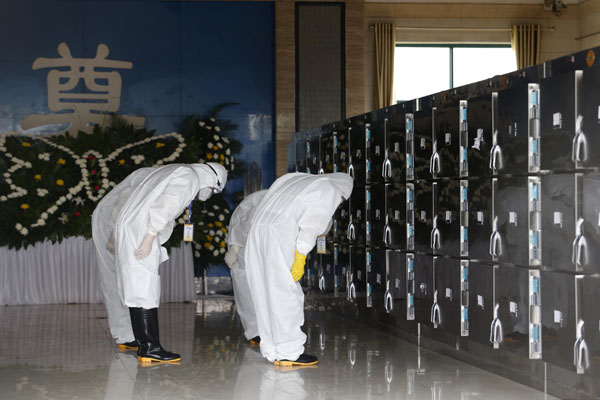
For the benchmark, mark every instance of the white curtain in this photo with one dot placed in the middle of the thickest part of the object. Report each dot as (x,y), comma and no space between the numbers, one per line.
(67,273)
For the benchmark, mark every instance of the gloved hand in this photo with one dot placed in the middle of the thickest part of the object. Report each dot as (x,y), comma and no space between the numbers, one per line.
(231,256)
(145,247)
(110,246)
(298,266)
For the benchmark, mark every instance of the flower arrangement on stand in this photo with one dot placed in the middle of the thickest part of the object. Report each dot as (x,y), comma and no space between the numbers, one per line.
(50,185)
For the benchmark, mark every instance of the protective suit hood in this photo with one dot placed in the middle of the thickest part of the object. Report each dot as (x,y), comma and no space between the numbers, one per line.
(342,183)
(217,170)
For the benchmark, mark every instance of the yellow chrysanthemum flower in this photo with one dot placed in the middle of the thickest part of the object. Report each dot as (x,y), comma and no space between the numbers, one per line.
(219,223)
(121,161)
(209,238)
(208,156)
(222,157)
(61,161)
(210,225)
(24,206)
(60,182)
(26,144)
(224,230)
(207,245)
(37,177)
(223,243)
(159,145)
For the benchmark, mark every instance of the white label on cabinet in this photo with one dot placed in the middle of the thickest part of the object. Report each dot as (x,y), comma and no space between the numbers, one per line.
(558,219)
(557,120)
(448,138)
(512,217)
(513,307)
(449,293)
(557,317)
(423,143)
(423,216)
(480,217)
(480,301)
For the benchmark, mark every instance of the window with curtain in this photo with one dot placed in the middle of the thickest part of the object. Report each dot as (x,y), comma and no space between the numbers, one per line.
(420,70)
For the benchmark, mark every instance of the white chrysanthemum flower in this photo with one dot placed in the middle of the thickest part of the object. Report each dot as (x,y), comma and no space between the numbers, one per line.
(216,138)
(216,207)
(181,140)
(69,196)
(6,175)
(18,226)
(3,198)
(24,231)
(221,217)
(105,169)
(220,145)
(44,215)
(8,180)
(215,156)
(211,247)
(218,129)
(201,123)
(212,119)
(222,250)
(42,192)
(226,140)
(180,221)
(197,254)
(219,233)
(211,214)
(44,156)
(13,187)
(227,152)
(41,222)
(209,145)
(212,232)
(28,164)
(216,253)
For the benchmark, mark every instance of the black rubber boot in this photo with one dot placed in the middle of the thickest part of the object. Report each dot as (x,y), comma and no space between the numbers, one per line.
(133,345)
(145,323)
(304,359)
(255,341)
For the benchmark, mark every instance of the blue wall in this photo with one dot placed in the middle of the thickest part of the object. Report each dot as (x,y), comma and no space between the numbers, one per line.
(187,56)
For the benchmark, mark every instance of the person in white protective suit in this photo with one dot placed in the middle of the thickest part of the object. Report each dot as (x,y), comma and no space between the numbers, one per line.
(239,226)
(294,212)
(103,224)
(144,223)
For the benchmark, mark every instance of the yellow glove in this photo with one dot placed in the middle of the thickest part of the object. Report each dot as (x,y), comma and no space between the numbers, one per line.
(298,266)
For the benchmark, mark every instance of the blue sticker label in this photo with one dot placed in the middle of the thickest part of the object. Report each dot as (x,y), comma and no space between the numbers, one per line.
(534,146)
(465,274)
(534,239)
(534,191)
(464,193)
(534,98)
(410,265)
(464,154)
(410,195)
(535,285)
(411,300)
(410,230)
(368,134)
(466,314)
(464,114)
(410,160)
(535,333)
(465,234)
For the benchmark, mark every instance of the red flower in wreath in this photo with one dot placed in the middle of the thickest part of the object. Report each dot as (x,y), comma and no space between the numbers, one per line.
(77,213)
(93,172)
(96,187)
(91,157)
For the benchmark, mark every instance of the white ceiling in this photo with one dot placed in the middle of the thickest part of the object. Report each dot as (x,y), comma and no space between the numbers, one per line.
(471,1)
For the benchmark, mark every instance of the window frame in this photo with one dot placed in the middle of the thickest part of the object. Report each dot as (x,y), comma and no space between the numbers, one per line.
(451,48)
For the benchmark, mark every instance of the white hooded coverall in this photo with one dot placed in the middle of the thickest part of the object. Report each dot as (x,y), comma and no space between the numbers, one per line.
(295,210)
(103,223)
(239,226)
(153,207)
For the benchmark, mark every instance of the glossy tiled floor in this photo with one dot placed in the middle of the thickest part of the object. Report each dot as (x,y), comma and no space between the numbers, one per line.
(65,352)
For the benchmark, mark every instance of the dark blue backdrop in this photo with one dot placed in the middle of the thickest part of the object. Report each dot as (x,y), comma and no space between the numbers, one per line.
(187,56)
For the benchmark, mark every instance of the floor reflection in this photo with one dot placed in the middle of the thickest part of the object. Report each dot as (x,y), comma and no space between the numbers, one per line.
(65,351)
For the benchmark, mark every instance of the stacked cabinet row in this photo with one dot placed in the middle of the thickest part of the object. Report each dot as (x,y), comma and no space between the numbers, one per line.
(475,213)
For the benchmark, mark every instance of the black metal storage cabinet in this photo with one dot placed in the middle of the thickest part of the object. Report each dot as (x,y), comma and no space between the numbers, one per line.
(475,217)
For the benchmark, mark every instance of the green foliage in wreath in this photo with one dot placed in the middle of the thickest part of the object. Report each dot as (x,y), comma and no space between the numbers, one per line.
(50,185)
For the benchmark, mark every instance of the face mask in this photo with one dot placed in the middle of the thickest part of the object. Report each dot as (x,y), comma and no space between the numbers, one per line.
(205,193)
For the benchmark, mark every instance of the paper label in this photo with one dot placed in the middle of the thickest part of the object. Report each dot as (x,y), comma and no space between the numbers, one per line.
(423,216)
(448,217)
(359,275)
(423,143)
(480,301)
(478,140)
(512,217)
(321,245)
(449,293)
(448,138)
(379,279)
(557,120)
(377,150)
(188,232)
(557,317)
(328,268)
(397,215)
(513,307)
(397,147)
(558,218)
(397,284)
(480,217)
